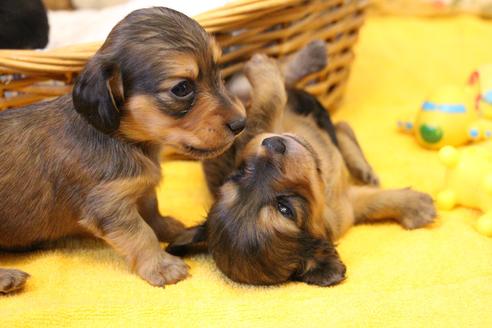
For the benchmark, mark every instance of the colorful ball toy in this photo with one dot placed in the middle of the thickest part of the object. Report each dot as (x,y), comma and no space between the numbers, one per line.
(449,117)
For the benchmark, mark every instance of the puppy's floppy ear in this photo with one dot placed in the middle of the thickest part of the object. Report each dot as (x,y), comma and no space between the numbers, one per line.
(321,264)
(192,241)
(98,95)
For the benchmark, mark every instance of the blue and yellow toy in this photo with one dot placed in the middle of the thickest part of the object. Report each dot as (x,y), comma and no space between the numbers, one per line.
(449,117)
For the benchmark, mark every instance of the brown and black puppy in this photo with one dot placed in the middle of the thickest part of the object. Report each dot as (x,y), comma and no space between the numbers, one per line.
(88,163)
(288,188)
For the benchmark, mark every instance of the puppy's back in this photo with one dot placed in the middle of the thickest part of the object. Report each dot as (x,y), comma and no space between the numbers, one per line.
(50,157)
(26,193)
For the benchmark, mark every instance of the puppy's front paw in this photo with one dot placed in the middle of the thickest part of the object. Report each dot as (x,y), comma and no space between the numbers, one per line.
(12,280)
(325,274)
(268,88)
(313,57)
(418,209)
(163,270)
(365,175)
(261,68)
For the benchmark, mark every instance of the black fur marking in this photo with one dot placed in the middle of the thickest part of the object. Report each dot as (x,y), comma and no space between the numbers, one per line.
(304,104)
(190,242)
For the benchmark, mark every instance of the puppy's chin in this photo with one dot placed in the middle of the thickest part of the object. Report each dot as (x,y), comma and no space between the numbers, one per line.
(201,153)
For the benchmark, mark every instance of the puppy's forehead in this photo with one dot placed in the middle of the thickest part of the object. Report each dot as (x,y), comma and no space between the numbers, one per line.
(145,36)
(193,65)
(297,181)
(180,65)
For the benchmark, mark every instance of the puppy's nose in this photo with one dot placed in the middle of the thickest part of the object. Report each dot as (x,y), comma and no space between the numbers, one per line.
(275,144)
(237,126)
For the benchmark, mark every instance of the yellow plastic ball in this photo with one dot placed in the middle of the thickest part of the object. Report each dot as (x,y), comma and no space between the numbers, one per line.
(488,183)
(484,225)
(446,200)
(449,156)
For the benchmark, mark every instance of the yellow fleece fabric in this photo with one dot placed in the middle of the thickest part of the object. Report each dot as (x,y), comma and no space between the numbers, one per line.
(439,276)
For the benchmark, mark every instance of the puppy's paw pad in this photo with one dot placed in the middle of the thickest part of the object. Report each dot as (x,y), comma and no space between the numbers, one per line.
(174,271)
(371,178)
(259,66)
(326,275)
(419,210)
(166,269)
(328,280)
(12,280)
(314,56)
(365,176)
(261,59)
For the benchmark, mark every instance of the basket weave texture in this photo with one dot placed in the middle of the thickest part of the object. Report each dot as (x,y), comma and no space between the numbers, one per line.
(242,28)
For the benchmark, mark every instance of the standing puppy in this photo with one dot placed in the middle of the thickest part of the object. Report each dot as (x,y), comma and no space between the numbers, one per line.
(90,162)
(291,185)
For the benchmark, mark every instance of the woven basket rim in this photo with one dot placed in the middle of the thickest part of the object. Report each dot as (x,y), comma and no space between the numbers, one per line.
(241,27)
(211,20)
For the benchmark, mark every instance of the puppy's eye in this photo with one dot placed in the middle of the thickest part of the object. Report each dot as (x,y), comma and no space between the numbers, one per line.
(285,208)
(183,89)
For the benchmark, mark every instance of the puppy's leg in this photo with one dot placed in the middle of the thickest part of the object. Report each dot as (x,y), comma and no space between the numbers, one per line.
(312,58)
(131,236)
(12,280)
(269,96)
(166,228)
(412,209)
(322,265)
(353,156)
(112,214)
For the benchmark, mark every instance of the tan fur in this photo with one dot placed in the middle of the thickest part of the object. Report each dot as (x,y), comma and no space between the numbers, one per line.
(412,209)
(357,164)
(144,122)
(58,4)
(180,66)
(270,221)
(229,193)
(216,51)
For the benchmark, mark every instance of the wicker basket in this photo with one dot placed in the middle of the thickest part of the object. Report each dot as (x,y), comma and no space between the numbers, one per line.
(243,27)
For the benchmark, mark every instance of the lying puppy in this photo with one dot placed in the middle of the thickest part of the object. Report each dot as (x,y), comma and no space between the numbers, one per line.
(89,163)
(290,186)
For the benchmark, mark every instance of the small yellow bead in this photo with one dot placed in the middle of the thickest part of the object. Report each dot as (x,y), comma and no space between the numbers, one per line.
(488,183)
(484,225)
(449,156)
(446,200)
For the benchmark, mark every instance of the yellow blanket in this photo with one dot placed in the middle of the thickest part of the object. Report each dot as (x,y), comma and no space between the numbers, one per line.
(439,276)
